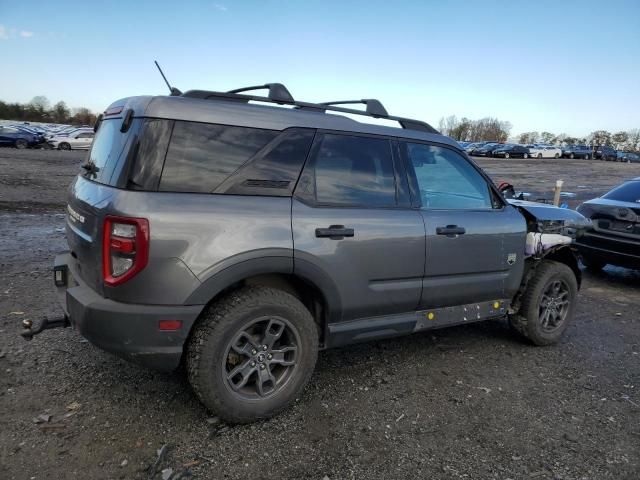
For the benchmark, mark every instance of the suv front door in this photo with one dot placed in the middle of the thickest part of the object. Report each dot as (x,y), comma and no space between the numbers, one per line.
(474,239)
(354,230)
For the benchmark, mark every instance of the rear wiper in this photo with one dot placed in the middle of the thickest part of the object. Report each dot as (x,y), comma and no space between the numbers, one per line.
(91,169)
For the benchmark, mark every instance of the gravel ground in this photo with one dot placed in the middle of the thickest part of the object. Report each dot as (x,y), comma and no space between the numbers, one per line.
(469,402)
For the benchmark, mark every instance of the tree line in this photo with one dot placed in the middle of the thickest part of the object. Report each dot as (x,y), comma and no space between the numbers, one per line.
(39,109)
(492,129)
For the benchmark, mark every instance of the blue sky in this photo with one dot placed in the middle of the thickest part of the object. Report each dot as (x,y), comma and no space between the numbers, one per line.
(563,66)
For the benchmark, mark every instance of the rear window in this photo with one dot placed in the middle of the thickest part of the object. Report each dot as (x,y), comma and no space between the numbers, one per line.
(105,151)
(201,156)
(627,192)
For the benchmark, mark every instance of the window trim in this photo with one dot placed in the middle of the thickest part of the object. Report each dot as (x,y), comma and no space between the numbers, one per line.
(308,171)
(414,188)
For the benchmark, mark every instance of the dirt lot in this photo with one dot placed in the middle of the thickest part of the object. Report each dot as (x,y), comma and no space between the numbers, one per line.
(467,402)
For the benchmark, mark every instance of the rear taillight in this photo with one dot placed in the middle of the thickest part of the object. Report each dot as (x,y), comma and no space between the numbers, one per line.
(125,248)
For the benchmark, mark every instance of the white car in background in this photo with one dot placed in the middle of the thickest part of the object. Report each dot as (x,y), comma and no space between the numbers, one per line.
(544,151)
(77,140)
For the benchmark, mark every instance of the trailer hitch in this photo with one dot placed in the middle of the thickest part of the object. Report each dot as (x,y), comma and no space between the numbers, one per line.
(29,331)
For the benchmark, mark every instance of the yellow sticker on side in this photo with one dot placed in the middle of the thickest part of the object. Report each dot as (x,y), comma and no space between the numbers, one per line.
(430,316)
(496,305)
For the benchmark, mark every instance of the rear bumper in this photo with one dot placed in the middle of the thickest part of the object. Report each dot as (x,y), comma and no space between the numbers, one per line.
(127,330)
(610,249)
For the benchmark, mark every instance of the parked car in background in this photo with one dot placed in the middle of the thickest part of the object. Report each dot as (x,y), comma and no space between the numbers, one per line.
(14,137)
(628,157)
(544,151)
(512,151)
(577,151)
(472,147)
(605,153)
(487,150)
(615,236)
(80,139)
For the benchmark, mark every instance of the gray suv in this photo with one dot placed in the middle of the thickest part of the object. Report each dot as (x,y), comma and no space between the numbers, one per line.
(239,234)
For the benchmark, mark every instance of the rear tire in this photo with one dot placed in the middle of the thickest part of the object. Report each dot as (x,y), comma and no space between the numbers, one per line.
(525,155)
(587,157)
(231,336)
(64,146)
(548,303)
(556,156)
(572,156)
(21,144)
(506,155)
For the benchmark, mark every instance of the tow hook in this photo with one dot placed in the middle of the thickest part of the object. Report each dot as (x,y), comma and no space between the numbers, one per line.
(28,330)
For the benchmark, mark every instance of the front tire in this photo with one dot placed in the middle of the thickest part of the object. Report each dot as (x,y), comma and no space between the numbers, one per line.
(252,353)
(506,155)
(572,156)
(587,157)
(21,144)
(556,156)
(548,304)
(526,155)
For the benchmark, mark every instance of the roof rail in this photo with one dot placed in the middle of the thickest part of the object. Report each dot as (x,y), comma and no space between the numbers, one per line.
(279,94)
(277,91)
(374,107)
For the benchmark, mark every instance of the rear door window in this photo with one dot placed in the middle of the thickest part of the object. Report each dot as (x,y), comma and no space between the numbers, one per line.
(201,156)
(353,171)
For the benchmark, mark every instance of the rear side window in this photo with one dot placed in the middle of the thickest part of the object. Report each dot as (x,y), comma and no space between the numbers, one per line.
(354,171)
(201,156)
(627,192)
(275,170)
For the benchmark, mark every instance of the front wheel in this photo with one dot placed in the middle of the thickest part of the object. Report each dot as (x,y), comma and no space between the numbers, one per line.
(556,156)
(252,353)
(525,155)
(572,156)
(506,155)
(21,144)
(548,303)
(587,157)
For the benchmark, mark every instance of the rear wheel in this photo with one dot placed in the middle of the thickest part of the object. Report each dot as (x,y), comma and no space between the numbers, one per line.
(21,144)
(252,353)
(548,303)
(525,155)
(587,157)
(539,155)
(64,146)
(506,155)
(572,156)
(556,156)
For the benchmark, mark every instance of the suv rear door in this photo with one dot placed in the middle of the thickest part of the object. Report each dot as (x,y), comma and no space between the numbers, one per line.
(354,230)
(474,239)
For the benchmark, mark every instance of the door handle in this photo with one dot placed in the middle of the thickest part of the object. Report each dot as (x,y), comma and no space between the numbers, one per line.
(450,230)
(334,232)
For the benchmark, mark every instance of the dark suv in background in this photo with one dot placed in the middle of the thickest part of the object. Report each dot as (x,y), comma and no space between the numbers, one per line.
(239,238)
(605,153)
(577,151)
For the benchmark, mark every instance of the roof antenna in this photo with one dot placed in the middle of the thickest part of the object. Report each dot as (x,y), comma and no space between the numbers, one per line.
(174,91)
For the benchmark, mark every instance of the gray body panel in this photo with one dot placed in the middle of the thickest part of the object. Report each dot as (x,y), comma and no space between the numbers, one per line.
(377,271)
(473,267)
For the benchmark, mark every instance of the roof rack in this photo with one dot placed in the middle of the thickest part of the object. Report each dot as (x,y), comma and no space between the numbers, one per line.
(279,94)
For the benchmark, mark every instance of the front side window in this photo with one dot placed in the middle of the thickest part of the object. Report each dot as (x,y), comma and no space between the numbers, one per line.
(354,171)
(201,156)
(627,192)
(446,180)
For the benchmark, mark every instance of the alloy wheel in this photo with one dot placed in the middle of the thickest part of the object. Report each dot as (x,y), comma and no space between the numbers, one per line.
(261,358)
(554,305)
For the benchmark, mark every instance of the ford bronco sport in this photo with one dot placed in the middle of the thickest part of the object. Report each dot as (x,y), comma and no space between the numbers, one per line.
(239,234)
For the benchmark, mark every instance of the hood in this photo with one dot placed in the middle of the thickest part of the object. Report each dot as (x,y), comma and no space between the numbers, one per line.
(543,212)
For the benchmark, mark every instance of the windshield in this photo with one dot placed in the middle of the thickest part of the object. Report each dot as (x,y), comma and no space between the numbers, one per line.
(627,192)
